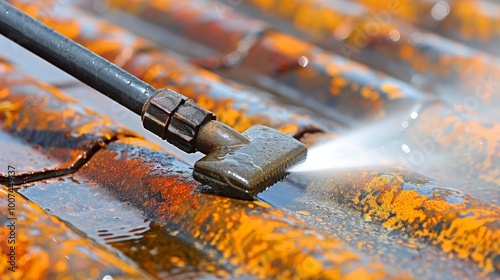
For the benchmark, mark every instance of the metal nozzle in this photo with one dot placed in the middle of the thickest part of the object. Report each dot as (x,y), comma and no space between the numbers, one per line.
(237,165)
(242,165)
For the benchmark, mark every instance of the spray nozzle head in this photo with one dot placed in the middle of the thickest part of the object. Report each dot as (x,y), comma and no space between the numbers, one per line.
(242,165)
(237,165)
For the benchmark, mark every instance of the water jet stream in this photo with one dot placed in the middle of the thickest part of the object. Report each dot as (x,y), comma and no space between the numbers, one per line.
(377,144)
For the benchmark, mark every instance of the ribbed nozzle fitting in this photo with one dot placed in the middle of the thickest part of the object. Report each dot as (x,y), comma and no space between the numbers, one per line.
(174,117)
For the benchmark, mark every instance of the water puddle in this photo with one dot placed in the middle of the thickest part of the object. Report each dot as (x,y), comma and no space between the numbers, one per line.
(90,209)
(122,227)
(168,257)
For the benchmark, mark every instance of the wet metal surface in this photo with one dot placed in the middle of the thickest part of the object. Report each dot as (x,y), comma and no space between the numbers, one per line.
(143,205)
(281,63)
(171,198)
(168,257)
(23,156)
(166,186)
(454,220)
(447,69)
(469,141)
(46,248)
(235,105)
(474,22)
(70,147)
(119,225)
(413,255)
(105,219)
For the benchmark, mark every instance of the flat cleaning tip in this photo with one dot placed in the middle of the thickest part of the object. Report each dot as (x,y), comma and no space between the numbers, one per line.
(242,171)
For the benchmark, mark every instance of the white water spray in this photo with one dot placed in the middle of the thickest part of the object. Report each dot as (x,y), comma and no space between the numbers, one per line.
(339,153)
(373,145)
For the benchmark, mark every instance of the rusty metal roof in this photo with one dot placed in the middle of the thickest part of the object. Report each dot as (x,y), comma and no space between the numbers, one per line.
(95,195)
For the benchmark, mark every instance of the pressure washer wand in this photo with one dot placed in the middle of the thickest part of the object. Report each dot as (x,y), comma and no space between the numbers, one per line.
(237,165)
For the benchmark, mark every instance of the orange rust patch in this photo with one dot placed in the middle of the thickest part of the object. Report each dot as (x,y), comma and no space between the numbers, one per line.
(4,92)
(392,91)
(456,221)
(288,45)
(460,131)
(6,109)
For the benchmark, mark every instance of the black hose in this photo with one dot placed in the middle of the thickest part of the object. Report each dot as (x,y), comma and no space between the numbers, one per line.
(74,59)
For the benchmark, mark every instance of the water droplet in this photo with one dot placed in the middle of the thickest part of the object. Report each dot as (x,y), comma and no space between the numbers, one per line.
(405,148)
(440,10)
(415,38)
(303,61)
(394,35)
(154,252)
